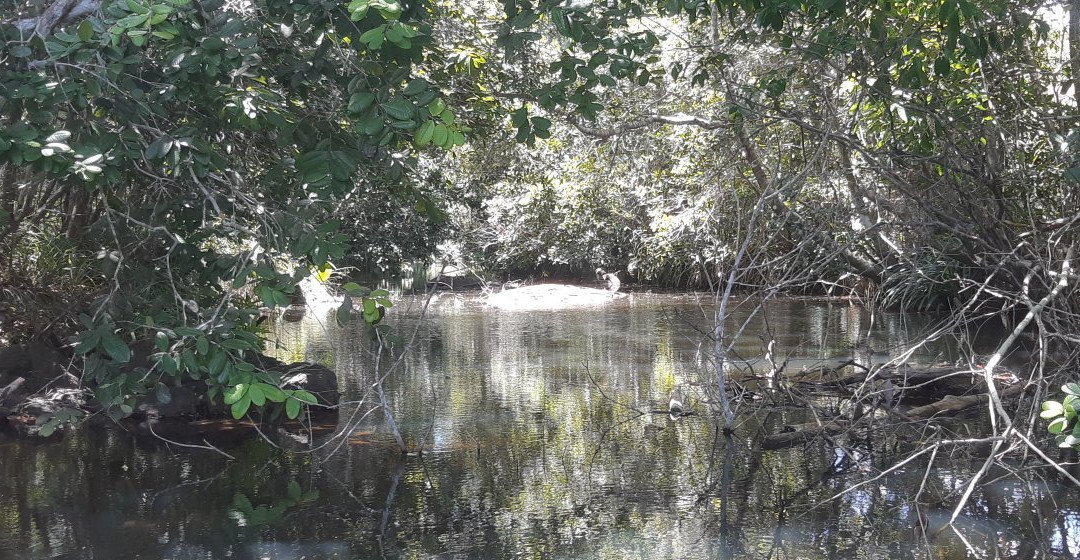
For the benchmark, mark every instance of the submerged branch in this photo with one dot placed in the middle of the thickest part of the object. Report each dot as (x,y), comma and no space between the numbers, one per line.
(796,434)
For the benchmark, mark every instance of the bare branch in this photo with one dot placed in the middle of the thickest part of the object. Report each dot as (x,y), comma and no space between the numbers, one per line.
(60,12)
(678,119)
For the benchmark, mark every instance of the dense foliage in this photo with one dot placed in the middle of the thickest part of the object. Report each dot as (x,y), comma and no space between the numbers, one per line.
(915,145)
(178,163)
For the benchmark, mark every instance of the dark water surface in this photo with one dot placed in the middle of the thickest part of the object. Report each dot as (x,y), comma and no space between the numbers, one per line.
(537,442)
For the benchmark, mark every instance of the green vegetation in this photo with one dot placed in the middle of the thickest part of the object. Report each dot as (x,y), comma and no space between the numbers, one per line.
(1062,416)
(166,166)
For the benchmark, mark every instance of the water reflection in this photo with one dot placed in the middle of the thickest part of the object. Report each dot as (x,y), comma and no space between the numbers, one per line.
(538,440)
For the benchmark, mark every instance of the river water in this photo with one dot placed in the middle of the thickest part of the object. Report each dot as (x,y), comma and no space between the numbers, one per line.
(539,435)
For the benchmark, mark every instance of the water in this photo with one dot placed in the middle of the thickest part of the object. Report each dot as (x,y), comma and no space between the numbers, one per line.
(532,435)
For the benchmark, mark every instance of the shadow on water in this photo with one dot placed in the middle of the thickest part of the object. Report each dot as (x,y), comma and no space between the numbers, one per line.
(534,444)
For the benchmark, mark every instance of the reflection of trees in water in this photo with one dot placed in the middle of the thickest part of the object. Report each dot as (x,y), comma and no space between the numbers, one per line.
(527,456)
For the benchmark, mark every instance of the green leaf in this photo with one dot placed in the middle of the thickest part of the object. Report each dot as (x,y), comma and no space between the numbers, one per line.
(255,393)
(217,362)
(439,135)
(425,98)
(162,393)
(235,393)
(416,86)
(235,344)
(388,9)
(399,109)
(161,340)
(202,346)
(373,37)
(360,101)
(425,133)
(168,363)
(137,7)
(1071,389)
(240,407)
(436,107)
(280,299)
(292,408)
(133,21)
(1051,409)
(115,348)
(1068,404)
(58,136)
(272,393)
(1057,425)
(86,30)
(344,312)
(47,429)
(189,360)
(305,396)
(187,331)
(358,9)
(942,66)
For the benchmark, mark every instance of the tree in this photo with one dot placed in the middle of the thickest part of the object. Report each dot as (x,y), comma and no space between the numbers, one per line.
(188,155)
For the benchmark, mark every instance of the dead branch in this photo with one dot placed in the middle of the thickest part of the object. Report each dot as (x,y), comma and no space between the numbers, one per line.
(794,434)
(679,119)
(60,12)
(11,387)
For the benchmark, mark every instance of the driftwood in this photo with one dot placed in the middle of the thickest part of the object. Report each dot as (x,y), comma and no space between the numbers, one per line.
(904,375)
(795,434)
(60,12)
(954,403)
(11,387)
(6,395)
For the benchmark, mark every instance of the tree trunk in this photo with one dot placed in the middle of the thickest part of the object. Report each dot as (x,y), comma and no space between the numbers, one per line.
(1074,46)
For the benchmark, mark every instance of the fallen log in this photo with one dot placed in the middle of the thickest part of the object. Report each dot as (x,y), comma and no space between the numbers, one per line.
(955,403)
(795,434)
(904,379)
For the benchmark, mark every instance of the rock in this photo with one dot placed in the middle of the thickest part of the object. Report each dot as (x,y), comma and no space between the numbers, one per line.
(293,313)
(34,380)
(314,378)
(297,298)
(317,379)
(40,364)
(53,400)
(183,402)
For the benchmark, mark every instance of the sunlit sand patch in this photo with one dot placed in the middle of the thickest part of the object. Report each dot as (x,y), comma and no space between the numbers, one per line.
(551,296)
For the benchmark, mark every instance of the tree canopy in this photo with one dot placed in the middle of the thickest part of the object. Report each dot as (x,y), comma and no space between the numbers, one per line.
(167,166)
